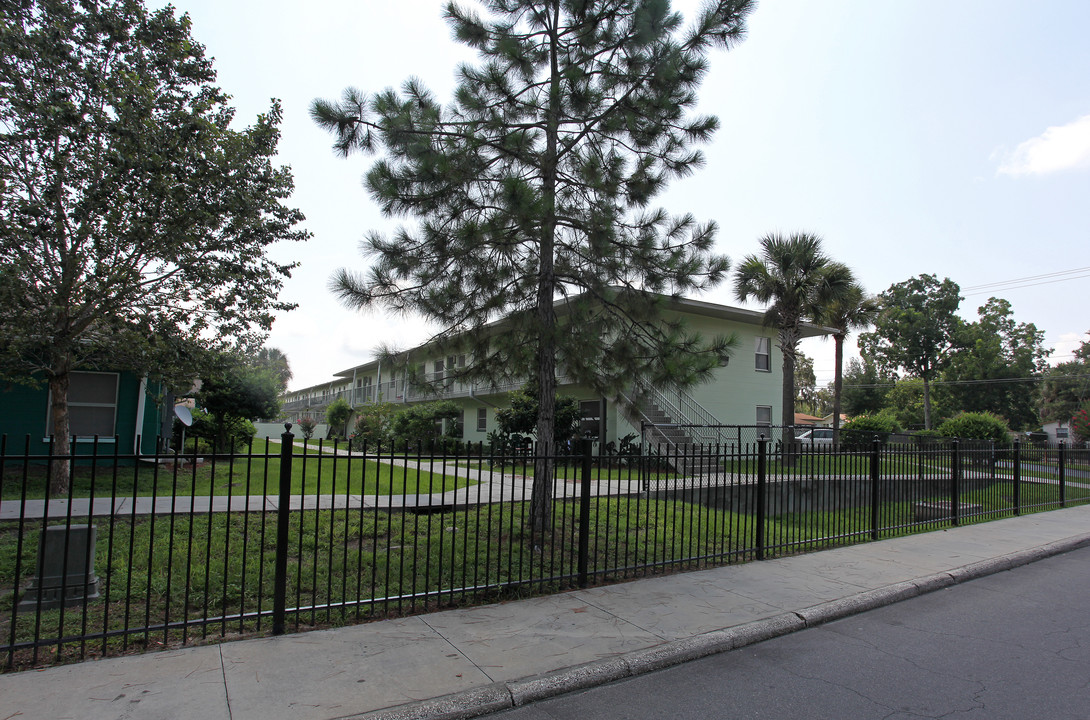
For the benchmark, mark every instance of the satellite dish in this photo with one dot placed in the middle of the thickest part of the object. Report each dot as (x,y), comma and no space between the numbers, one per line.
(183,414)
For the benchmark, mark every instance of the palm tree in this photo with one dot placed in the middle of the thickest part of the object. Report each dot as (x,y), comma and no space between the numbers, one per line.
(797,280)
(854,310)
(276,362)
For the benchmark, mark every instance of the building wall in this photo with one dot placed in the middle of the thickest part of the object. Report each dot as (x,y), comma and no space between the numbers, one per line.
(732,396)
(738,388)
(1057,431)
(25,418)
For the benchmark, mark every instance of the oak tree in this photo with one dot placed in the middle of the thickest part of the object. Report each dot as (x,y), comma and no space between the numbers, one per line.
(914,331)
(134,219)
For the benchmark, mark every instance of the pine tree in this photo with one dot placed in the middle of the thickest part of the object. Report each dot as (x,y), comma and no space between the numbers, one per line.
(532,190)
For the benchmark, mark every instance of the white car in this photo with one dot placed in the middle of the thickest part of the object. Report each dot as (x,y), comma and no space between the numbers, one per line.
(817,436)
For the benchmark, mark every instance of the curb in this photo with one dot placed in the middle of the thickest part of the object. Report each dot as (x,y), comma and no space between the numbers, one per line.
(516,693)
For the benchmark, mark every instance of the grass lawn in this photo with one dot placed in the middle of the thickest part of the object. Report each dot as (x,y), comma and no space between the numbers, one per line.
(158,571)
(256,474)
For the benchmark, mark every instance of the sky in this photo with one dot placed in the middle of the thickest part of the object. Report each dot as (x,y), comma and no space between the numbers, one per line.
(948,138)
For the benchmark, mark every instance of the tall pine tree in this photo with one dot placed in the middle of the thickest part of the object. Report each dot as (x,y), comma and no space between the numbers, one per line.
(531,190)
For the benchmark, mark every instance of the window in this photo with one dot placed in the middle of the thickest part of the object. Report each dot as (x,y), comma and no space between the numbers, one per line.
(482,419)
(763,354)
(92,405)
(1061,433)
(764,415)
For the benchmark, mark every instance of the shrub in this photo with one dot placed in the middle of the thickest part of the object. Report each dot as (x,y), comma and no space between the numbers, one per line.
(978,426)
(372,425)
(521,416)
(421,424)
(223,434)
(337,415)
(1080,425)
(307,425)
(860,432)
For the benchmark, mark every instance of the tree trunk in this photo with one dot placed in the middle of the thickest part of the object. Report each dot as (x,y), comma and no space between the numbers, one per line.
(788,347)
(542,493)
(926,403)
(838,385)
(61,464)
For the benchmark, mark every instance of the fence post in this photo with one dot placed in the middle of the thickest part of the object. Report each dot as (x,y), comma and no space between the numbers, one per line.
(280,580)
(762,471)
(874,485)
(1063,474)
(584,514)
(1017,477)
(955,482)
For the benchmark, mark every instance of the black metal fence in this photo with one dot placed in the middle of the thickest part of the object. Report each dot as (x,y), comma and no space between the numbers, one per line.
(146,552)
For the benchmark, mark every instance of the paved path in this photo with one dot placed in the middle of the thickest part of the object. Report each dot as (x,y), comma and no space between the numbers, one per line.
(487,487)
(461,663)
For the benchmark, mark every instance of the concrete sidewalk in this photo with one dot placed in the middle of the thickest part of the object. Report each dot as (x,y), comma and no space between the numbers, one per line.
(461,663)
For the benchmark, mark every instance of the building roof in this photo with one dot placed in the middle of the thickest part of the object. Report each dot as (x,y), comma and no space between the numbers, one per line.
(686,305)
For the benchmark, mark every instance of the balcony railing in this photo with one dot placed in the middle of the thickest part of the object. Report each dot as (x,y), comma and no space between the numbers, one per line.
(397,392)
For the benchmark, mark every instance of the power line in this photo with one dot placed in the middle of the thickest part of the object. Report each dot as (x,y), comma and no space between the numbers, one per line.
(991,381)
(1028,277)
(1018,283)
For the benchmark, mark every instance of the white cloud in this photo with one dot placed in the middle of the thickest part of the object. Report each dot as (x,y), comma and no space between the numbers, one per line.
(1063,350)
(1058,148)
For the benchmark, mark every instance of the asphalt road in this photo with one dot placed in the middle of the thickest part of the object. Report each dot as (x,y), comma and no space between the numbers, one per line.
(1011,645)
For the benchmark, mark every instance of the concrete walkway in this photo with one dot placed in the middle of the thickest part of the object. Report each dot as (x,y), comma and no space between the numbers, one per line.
(462,663)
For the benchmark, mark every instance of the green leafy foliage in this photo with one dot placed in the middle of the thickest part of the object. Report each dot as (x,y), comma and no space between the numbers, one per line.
(337,415)
(905,402)
(798,282)
(806,392)
(133,218)
(307,425)
(1066,387)
(222,434)
(276,362)
(234,392)
(851,310)
(521,415)
(861,431)
(915,331)
(999,358)
(1080,425)
(372,426)
(977,426)
(423,424)
(865,387)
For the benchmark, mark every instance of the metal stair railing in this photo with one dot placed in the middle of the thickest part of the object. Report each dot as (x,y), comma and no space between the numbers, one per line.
(650,430)
(685,411)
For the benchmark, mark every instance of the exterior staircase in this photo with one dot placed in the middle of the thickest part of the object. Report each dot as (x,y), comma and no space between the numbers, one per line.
(676,427)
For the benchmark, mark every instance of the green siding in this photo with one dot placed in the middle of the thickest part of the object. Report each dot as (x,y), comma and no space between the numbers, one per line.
(732,395)
(24,412)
